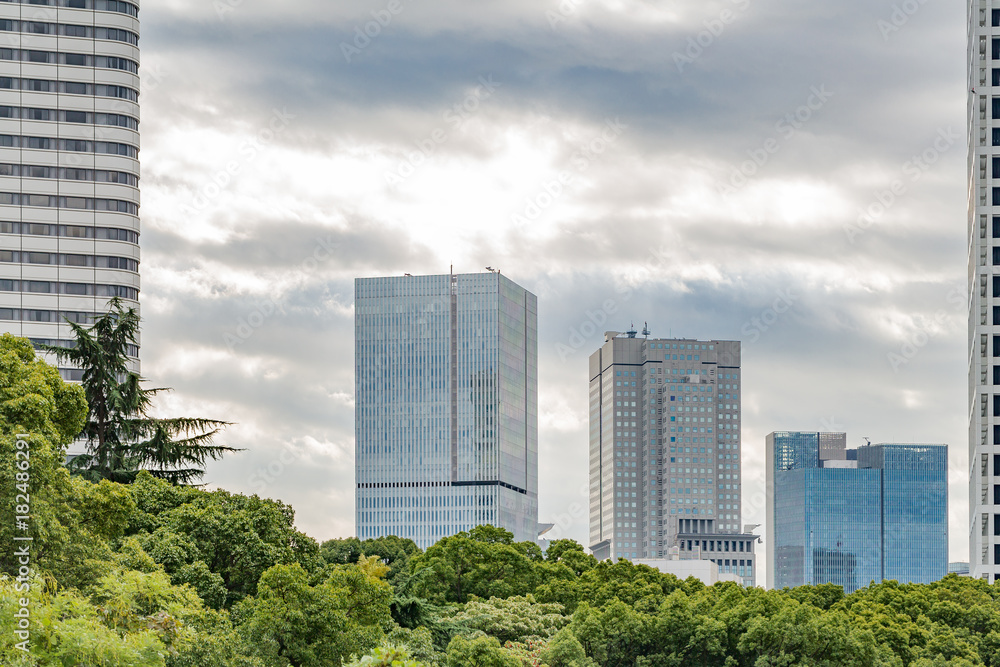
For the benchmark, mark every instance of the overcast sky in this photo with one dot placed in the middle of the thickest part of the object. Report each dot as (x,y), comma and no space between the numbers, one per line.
(788,174)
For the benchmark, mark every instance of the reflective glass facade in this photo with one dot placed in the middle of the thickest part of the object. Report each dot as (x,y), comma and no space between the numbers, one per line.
(914,509)
(850,517)
(829,528)
(446,413)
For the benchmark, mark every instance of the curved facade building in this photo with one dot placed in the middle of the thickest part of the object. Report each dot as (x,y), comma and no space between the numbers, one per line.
(69,168)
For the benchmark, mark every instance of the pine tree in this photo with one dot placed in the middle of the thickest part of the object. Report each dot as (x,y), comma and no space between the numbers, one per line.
(122,438)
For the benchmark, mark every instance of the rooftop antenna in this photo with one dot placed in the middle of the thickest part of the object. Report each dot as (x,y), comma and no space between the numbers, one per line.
(631,330)
(645,329)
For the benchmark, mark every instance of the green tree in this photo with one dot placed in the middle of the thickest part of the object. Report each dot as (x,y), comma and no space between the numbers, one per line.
(387,656)
(129,619)
(122,437)
(234,536)
(565,650)
(571,554)
(69,521)
(66,629)
(392,550)
(478,651)
(512,619)
(419,643)
(291,622)
(484,562)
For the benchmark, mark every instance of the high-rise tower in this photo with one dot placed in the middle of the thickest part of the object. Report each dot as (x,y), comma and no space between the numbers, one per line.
(69,170)
(984,288)
(664,444)
(446,409)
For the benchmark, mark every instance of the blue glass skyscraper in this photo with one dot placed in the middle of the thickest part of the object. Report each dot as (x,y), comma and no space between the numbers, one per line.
(850,517)
(446,411)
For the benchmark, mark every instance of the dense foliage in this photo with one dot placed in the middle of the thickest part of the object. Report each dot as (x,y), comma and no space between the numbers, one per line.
(150,574)
(122,437)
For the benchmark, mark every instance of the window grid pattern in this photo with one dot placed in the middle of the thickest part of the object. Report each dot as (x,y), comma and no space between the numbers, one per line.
(69,87)
(664,444)
(446,406)
(886,518)
(983,233)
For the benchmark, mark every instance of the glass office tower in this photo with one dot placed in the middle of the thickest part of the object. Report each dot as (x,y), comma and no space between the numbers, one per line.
(850,517)
(69,170)
(446,412)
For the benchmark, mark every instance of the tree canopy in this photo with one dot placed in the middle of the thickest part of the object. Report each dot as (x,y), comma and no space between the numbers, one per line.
(122,436)
(150,574)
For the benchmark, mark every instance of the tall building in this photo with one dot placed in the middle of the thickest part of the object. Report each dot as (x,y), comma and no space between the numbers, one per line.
(69,170)
(853,516)
(984,289)
(446,411)
(664,444)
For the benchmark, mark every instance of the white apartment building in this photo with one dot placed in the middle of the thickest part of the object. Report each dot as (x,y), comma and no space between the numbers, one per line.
(69,169)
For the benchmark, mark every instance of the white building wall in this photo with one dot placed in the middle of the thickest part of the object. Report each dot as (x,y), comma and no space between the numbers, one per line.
(704,570)
(69,167)
(984,270)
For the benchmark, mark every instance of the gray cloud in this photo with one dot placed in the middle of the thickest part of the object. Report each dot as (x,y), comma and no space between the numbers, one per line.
(719,261)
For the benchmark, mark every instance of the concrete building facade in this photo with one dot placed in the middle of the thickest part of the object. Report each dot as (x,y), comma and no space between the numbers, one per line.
(664,443)
(69,169)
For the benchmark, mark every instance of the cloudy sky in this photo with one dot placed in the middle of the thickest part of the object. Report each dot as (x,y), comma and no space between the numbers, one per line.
(696,162)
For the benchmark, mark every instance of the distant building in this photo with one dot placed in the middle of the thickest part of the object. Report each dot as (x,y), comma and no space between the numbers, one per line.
(850,517)
(704,570)
(961,569)
(664,445)
(733,554)
(446,410)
